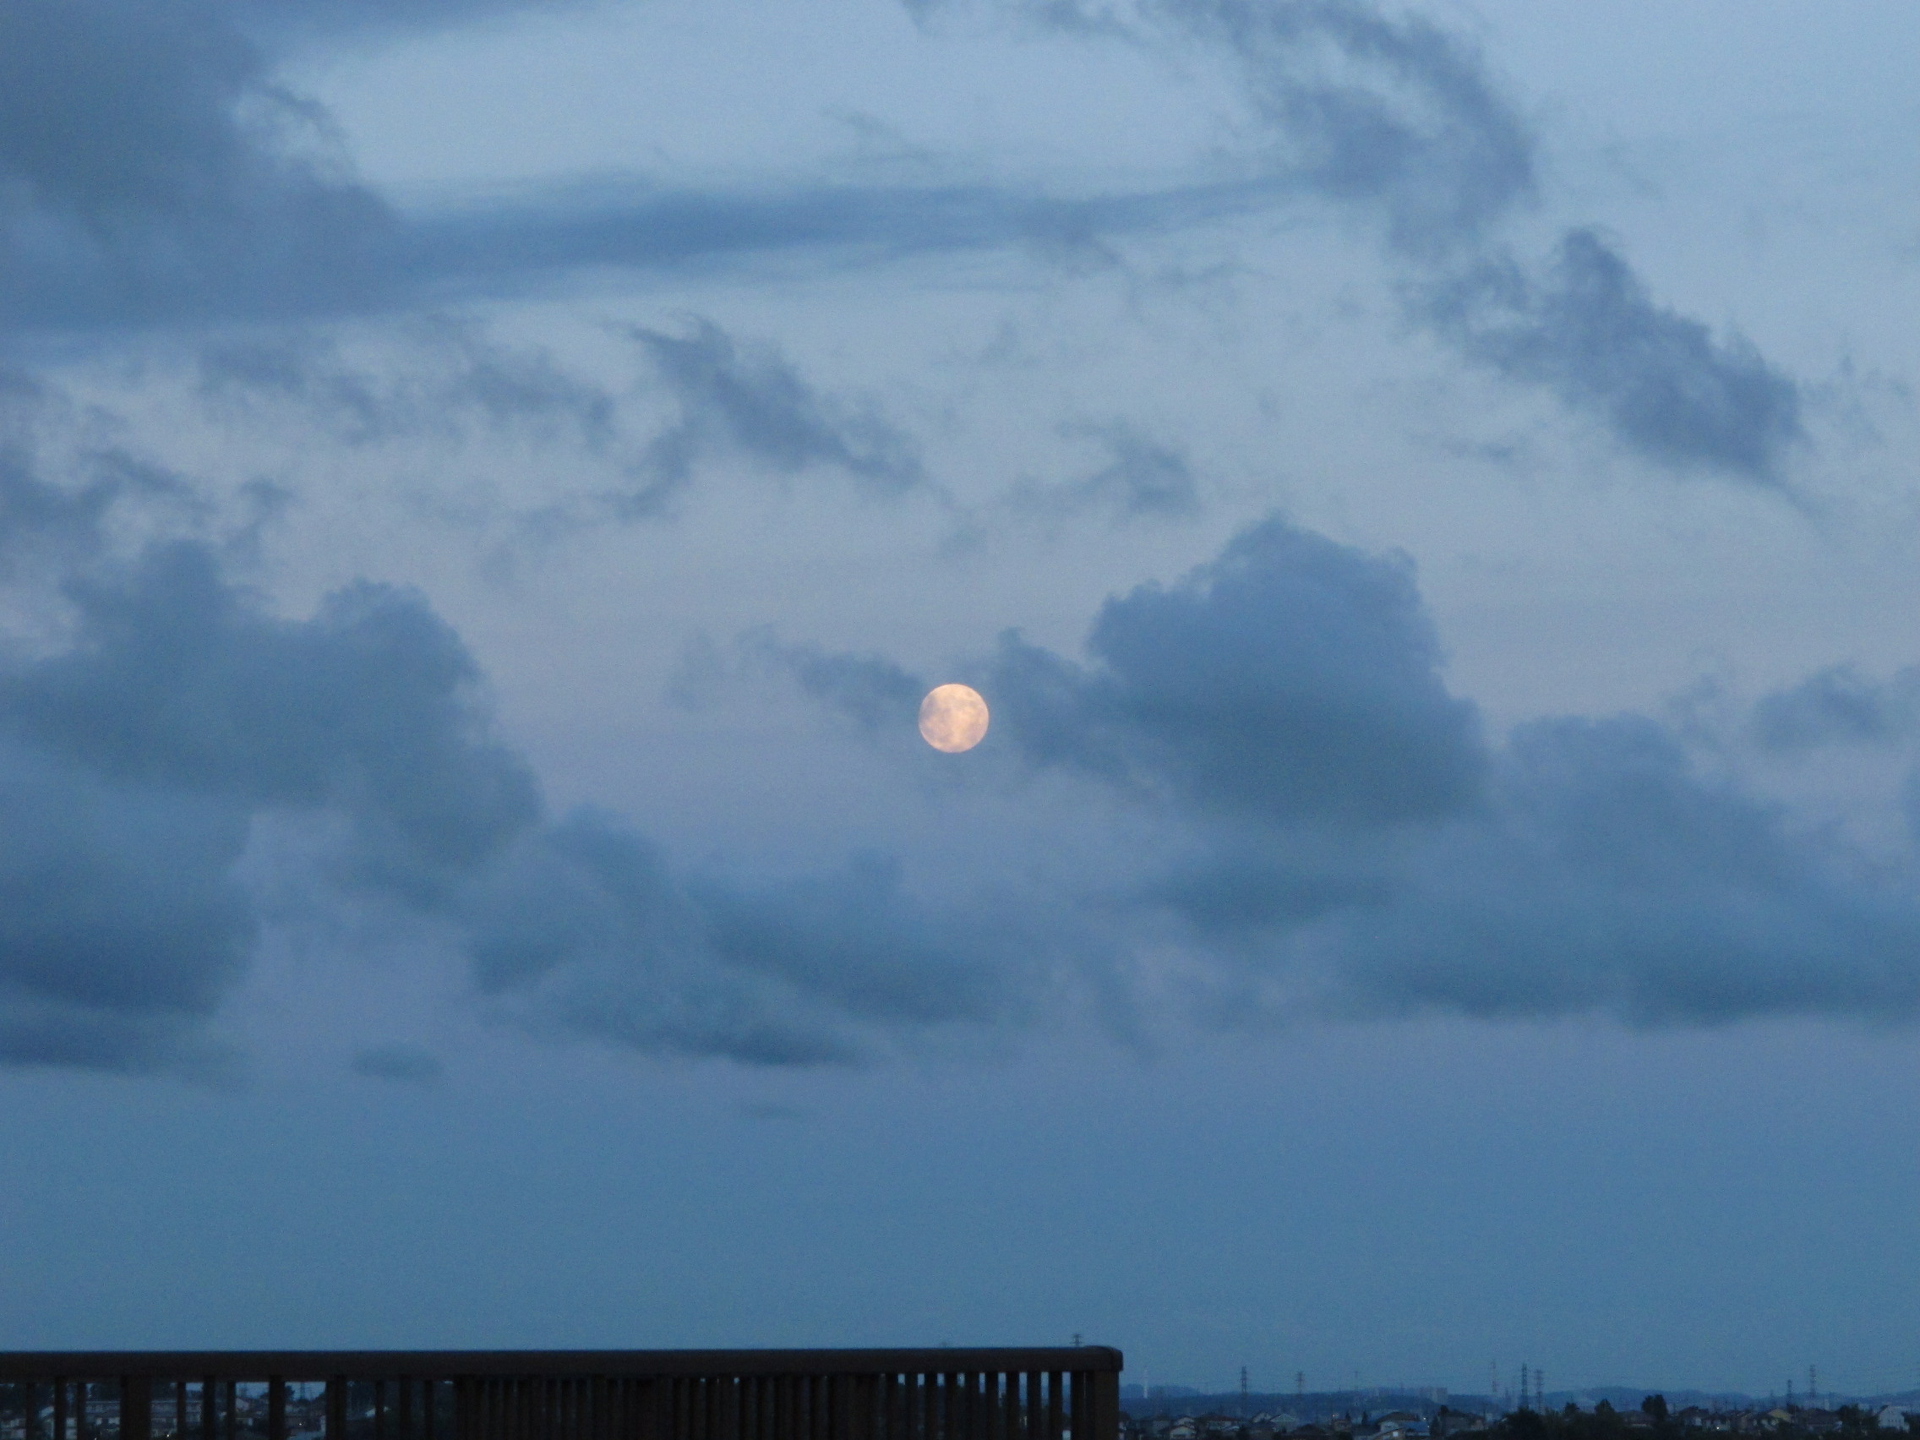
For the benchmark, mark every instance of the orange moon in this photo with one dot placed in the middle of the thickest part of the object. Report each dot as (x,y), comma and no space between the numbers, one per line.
(953,718)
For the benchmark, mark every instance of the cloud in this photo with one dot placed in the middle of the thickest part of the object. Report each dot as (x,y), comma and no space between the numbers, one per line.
(1389,115)
(1143,478)
(1389,112)
(135,760)
(876,693)
(400,1063)
(753,402)
(178,679)
(448,377)
(282,19)
(1344,841)
(586,933)
(1611,878)
(121,928)
(1839,706)
(1332,834)
(1662,383)
(1293,678)
(152,172)
(149,166)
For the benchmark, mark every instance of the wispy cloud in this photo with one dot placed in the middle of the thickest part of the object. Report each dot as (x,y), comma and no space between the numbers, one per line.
(752,401)
(1589,331)
(1388,115)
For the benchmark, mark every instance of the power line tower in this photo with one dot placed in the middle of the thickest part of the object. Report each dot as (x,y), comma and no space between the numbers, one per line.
(1244,1411)
(1813,1386)
(1300,1385)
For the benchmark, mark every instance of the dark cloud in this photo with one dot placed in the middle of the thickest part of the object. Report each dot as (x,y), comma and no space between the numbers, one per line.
(148,167)
(1839,706)
(400,1063)
(178,679)
(1659,380)
(135,760)
(507,247)
(1350,846)
(752,401)
(585,933)
(121,928)
(1611,878)
(1293,678)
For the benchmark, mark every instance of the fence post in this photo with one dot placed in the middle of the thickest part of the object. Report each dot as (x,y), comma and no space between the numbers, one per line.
(1104,1422)
(136,1407)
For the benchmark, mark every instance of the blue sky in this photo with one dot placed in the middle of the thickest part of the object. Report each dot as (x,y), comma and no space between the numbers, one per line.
(1428,493)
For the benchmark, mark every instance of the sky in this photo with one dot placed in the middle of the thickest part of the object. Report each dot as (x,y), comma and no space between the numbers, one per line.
(1428,493)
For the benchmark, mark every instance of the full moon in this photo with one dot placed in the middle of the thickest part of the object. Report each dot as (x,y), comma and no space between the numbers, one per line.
(953,718)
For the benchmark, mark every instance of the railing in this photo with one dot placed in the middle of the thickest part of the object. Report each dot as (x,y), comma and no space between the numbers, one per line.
(944,1394)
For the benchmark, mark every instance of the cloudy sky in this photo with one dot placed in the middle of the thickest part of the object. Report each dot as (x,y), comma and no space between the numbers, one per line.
(1429,494)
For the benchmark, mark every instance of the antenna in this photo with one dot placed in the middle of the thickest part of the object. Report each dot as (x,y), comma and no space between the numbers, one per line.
(1523,1387)
(1300,1383)
(1243,1392)
(1813,1386)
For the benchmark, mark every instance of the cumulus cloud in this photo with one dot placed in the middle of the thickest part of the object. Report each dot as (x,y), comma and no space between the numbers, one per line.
(1292,678)
(135,760)
(1334,834)
(1354,846)
(137,756)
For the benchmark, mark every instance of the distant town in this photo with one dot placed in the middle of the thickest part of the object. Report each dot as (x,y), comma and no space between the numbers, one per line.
(1173,1412)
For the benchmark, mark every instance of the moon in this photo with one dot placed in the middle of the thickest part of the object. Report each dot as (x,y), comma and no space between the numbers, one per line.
(953,718)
